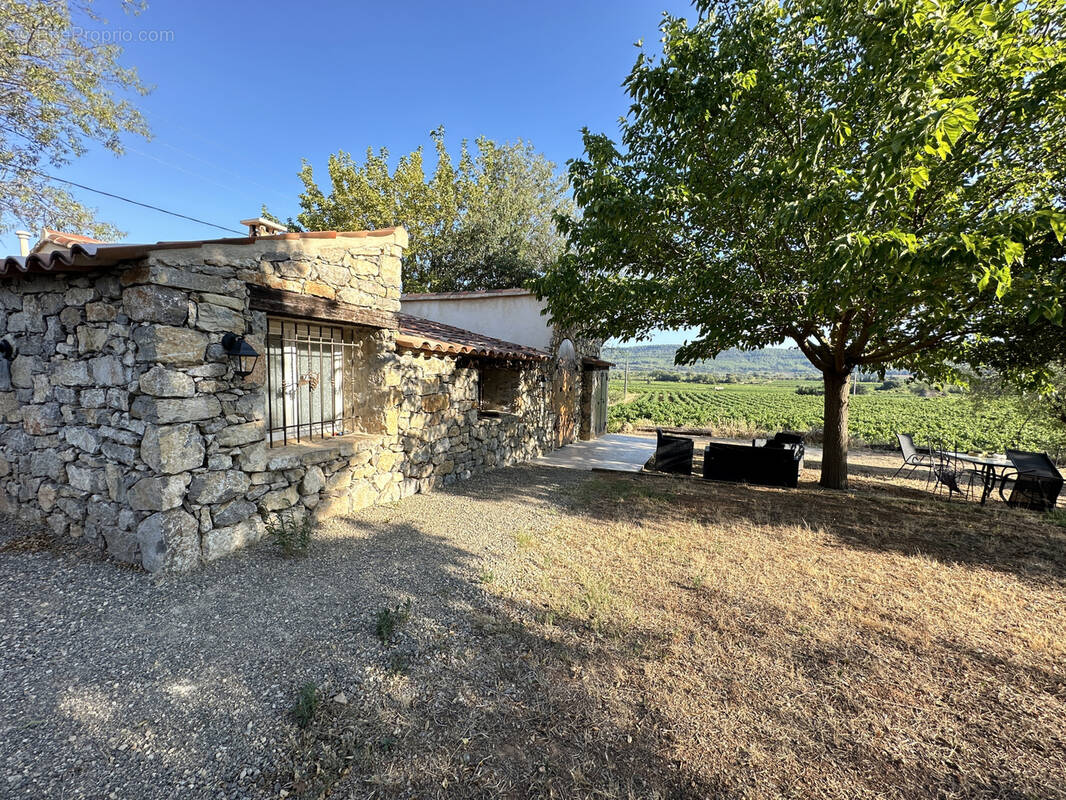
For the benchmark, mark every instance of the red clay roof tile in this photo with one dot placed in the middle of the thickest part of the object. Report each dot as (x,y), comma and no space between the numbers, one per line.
(65,239)
(427,336)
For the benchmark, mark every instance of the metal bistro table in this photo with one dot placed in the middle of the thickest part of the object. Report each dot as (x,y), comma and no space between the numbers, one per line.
(990,467)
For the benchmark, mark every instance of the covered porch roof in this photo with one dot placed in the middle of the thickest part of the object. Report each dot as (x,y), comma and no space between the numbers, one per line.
(436,338)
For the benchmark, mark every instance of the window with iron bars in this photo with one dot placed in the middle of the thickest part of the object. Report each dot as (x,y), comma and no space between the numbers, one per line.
(311,370)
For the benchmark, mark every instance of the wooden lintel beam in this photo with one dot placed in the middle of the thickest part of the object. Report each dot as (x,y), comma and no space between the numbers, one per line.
(304,306)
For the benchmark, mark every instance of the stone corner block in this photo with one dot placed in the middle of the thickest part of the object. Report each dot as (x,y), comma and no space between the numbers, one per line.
(221,541)
(162,382)
(170,449)
(164,411)
(170,345)
(169,541)
(159,493)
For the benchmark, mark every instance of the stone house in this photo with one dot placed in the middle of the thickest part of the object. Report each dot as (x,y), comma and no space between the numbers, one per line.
(130,419)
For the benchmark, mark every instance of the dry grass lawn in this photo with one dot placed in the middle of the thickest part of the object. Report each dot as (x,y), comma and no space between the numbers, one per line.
(811,644)
(663,637)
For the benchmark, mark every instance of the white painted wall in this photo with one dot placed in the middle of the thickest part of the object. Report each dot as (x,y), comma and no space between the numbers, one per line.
(513,318)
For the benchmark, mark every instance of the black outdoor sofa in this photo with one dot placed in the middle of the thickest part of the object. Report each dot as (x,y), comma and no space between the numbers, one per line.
(776,463)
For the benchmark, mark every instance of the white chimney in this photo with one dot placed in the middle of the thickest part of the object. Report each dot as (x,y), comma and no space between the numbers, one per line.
(24,242)
(261,226)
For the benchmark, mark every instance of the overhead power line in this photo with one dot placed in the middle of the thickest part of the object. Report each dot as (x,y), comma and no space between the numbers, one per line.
(134,202)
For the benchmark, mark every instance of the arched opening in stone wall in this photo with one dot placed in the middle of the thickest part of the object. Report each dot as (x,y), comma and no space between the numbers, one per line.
(564,393)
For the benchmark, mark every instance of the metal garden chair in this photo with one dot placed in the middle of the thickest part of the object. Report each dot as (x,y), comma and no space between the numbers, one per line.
(949,472)
(913,456)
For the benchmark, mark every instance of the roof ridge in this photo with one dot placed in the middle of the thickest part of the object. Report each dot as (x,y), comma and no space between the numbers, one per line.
(466,294)
(62,260)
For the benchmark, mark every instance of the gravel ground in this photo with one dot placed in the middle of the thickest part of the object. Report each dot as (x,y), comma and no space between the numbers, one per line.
(119,685)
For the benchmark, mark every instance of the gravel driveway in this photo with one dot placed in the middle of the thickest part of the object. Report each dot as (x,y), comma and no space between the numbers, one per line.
(119,685)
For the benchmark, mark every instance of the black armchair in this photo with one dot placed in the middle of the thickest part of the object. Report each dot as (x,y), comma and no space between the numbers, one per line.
(1034,482)
(673,453)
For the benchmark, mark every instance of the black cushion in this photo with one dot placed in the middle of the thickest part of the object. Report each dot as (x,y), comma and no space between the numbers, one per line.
(673,453)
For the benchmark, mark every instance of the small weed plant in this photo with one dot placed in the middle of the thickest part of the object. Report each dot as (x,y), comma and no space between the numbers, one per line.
(399,664)
(1057,516)
(390,620)
(292,535)
(308,700)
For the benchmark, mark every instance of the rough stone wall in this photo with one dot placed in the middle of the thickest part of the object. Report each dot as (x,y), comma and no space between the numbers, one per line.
(434,437)
(242,479)
(121,420)
(443,436)
(66,435)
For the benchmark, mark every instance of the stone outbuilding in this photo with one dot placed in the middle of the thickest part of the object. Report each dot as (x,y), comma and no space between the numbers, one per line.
(160,401)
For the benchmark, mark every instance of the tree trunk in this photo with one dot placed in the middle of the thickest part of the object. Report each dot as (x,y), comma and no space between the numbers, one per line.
(835,438)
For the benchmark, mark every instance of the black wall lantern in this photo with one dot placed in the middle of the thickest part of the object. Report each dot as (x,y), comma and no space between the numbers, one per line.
(241,354)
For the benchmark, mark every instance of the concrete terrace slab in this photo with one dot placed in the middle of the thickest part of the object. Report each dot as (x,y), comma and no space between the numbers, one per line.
(613,451)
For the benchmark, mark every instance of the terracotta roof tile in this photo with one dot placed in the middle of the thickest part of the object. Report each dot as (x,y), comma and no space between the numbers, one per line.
(428,336)
(49,236)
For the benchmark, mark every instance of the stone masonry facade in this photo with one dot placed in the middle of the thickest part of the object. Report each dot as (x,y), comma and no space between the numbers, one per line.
(123,423)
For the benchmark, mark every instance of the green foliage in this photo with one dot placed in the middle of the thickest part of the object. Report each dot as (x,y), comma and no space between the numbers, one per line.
(62,93)
(1021,359)
(308,699)
(878,181)
(390,620)
(484,223)
(875,417)
(292,534)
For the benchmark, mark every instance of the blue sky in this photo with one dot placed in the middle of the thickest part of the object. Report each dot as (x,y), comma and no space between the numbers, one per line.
(244,90)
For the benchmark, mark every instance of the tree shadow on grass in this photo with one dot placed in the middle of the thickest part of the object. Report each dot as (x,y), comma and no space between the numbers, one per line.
(509,716)
(871,516)
(861,469)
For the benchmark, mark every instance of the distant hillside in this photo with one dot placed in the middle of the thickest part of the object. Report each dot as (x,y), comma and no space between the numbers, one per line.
(768,362)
